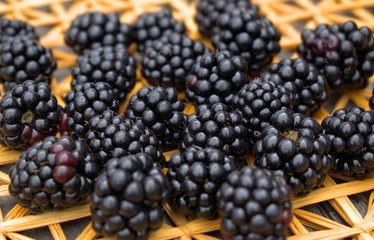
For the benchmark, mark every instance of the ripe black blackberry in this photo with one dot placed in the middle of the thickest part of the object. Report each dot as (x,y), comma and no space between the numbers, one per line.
(152,26)
(216,78)
(111,135)
(352,137)
(208,12)
(128,196)
(296,148)
(114,66)
(195,177)
(169,60)
(218,127)
(86,101)
(254,204)
(247,33)
(95,29)
(344,53)
(23,59)
(309,87)
(53,174)
(28,113)
(160,110)
(10,29)
(258,101)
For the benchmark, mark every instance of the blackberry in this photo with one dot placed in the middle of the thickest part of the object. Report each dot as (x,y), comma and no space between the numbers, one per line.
(216,78)
(309,87)
(343,53)
(218,127)
(352,136)
(209,11)
(111,135)
(247,33)
(28,113)
(254,204)
(86,101)
(258,101)
(95,29)
(24,59)
(295,147)
(168,62)
(160,110)
(114,66)
(195,177)
(152,26)
(10,29)
(53,174)
(128,196)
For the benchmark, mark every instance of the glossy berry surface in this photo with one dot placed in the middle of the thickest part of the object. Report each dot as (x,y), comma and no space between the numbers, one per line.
(160,110)
(10,29)
(254,204)
(28,113)
(53,174)
(296,148)
(128,196)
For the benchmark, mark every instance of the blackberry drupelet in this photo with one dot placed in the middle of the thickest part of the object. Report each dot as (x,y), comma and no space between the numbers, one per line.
(218,127)
(352,136)
(343,53)
(114,66)
(216,78)
(111,135)
(208,12)
(169,60)
(152,26)
(128,196)
(250,35)
(254,204)
(160,110)
(28,113)
(195,177)
(10,29)
(296,148)
(258,101)
(309,87)
(95,29)
(24,59)
(86,101)
(371,100)
(53,174)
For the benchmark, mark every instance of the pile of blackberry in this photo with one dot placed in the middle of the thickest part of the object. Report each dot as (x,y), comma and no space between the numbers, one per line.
(110,135)
(113,65)
(169,60)
(247,33)
(343,53)
(216,78)
(128,196)
(352,136)
(195,177)
(161,111)
(53,174)
(9,29)
(296,148)
(254,204)
(218,127)
(308,85)
(28,113)
(24,59)
(95,29)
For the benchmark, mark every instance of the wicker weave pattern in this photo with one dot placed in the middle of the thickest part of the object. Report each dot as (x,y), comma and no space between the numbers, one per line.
(286,15)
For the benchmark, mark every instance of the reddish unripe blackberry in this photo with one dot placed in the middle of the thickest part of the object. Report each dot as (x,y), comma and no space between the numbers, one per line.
(128,197)
(352,136)
(296,148)
(53,174)
(254,204)
(28,113)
